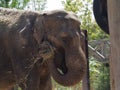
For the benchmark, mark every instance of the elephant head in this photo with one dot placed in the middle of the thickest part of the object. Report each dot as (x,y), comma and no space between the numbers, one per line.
(62,31)
(23,35)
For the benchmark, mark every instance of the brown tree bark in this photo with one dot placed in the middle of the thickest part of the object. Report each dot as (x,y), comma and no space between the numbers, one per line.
(114,26)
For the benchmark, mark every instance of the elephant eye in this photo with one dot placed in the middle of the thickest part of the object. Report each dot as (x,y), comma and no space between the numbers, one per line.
(66,40)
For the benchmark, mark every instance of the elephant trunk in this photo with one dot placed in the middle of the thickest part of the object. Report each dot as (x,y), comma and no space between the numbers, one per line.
(70,67)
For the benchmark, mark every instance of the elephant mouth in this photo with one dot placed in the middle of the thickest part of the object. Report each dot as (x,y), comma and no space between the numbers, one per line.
(60,62)
(67,66)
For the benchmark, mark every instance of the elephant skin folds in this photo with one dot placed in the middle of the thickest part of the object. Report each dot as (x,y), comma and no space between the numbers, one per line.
(35,46)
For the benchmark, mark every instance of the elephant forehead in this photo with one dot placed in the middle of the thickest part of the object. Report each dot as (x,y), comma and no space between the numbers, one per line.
(61,14)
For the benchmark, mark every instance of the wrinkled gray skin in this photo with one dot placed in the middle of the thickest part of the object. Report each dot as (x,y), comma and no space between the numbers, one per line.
(23,35)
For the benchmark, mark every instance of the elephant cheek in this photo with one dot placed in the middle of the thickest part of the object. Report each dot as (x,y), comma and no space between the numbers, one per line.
(75,66)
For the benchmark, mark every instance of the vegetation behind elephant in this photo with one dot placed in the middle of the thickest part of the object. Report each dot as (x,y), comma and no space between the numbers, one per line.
(35,46)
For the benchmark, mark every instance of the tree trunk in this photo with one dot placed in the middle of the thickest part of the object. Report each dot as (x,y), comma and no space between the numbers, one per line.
(114,26)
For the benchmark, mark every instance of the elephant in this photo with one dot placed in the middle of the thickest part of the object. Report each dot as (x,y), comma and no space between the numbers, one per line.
(100,14)
(35,46)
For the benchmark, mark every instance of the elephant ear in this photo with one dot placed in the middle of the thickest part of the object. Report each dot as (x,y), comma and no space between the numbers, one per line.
(25,33)
(33,30)
(39,29)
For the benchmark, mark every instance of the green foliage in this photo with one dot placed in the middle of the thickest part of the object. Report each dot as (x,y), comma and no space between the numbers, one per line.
(24,4)
(103,80)
(37,5)
(99,75)
(72,5)
(19,4)
(4,3)
(83,8)
(41,4)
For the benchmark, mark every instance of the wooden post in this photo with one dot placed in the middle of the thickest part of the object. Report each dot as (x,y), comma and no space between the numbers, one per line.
(114,27)
(85,81)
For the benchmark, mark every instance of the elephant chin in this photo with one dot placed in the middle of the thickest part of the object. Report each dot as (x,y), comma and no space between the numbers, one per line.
(68,66)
